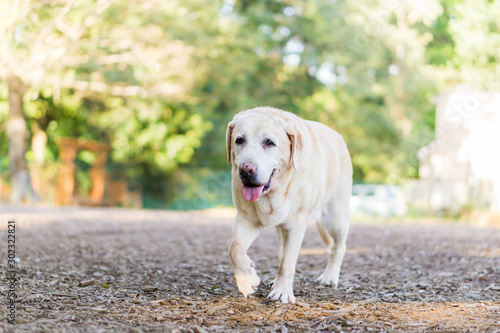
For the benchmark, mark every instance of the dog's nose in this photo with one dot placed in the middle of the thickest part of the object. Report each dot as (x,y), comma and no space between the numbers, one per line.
(248,170)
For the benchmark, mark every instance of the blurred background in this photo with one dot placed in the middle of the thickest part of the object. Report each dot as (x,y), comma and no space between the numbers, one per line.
(126,102)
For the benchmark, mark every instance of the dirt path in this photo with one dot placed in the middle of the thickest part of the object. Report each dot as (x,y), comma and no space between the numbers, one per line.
(102,270)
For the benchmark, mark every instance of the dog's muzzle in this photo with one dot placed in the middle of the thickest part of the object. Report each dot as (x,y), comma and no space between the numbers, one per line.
(252,191)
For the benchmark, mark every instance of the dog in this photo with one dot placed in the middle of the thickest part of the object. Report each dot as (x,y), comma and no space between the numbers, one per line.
(285,172)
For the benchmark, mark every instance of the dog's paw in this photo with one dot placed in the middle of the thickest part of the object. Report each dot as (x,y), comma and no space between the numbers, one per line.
(284,297)
(282,292)
(247,282)
(328,280)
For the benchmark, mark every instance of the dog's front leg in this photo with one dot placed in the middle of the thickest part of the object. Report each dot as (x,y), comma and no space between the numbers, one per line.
(244,233)
(292,235)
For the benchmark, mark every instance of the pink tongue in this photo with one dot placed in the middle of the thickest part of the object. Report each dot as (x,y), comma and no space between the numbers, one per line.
(251,193)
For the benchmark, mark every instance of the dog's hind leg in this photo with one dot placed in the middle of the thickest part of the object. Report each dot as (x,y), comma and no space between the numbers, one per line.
(281,244)
(333,226)
(325,235)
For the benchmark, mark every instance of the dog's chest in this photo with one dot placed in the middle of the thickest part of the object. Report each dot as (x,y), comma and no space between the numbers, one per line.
(269,213)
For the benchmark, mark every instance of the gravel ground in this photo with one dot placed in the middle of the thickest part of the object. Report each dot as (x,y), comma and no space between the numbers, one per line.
(118,270)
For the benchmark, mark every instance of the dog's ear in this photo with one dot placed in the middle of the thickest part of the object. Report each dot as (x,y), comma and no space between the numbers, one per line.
(296,146)
(229,134)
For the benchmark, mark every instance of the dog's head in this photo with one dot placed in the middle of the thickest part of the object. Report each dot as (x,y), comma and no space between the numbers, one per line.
(261,143)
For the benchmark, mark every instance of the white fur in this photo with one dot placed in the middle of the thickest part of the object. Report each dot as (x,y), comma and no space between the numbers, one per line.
(312,180)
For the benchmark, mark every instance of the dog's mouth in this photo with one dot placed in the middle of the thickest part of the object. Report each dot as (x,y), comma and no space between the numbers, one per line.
(252,192)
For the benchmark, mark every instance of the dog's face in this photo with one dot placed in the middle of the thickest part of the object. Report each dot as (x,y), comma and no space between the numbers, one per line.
(260,147)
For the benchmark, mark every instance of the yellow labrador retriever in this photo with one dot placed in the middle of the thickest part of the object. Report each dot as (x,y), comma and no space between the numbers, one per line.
(287,171)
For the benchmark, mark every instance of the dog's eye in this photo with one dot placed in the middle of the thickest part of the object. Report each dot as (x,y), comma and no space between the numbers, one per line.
(240,141)
(269,143)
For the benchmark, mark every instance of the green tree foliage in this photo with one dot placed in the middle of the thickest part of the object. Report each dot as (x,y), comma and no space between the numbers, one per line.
(95,53)
(159,80)
(475,29)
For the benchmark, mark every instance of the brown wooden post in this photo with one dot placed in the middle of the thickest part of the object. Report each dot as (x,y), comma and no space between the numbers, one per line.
(97,172)
(66,175)
(38,144)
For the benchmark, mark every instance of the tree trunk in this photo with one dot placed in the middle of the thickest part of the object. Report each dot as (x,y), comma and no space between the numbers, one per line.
(17,135)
